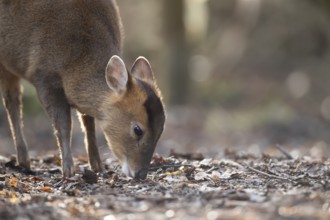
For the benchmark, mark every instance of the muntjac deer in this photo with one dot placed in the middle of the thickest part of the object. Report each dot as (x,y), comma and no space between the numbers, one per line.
(70,52)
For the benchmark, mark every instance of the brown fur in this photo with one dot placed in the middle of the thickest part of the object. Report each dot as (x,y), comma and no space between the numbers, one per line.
(63,48)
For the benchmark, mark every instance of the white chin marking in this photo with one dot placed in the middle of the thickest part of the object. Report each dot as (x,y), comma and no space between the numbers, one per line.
(126,169)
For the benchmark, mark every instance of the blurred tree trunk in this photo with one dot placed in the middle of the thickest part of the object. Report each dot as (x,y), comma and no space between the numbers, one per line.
(177,51)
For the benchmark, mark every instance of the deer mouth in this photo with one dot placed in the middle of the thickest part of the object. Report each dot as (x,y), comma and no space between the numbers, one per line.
(126,170)
(136,174)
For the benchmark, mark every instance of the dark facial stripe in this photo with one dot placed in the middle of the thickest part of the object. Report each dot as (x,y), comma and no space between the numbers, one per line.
(154,109)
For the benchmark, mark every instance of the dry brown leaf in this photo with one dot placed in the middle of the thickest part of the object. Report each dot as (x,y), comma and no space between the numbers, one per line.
(36,179)
(157,160)
(45,189)
(13,182)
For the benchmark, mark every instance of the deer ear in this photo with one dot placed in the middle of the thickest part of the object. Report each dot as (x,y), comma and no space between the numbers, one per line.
(116,75)
(141,69)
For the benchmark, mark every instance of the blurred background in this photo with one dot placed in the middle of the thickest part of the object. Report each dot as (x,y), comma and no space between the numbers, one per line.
(235,74)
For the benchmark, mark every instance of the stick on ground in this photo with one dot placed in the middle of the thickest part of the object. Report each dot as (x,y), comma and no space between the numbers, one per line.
(283,151)
(267,174)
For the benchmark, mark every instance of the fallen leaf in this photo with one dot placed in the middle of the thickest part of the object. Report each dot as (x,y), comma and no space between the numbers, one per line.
(177,172)
(225,175)
(36,179)
(45,189)
(206,162)
(201,176)
(171,178)
(4,159)
(14,200)
(157,160)
(13,182)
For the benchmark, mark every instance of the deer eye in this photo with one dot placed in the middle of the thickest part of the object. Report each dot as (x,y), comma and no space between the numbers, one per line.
(138,131)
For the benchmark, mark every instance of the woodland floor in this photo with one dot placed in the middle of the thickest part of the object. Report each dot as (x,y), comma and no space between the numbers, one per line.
(181,186)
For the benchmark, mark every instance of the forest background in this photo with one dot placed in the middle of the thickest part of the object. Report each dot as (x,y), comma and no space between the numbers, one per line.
(238,74)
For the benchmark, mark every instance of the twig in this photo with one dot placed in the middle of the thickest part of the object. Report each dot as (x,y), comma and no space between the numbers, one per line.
(283,151)
(170,165)
(211,169)
(267,174)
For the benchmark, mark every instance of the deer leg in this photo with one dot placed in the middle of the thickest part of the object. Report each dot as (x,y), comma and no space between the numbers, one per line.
(88,127)
(54,101)
(12,100)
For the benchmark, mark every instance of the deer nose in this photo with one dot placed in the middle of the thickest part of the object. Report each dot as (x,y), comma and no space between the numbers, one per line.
(141,174)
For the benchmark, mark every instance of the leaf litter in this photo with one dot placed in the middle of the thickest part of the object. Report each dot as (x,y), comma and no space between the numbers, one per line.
(181,186)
